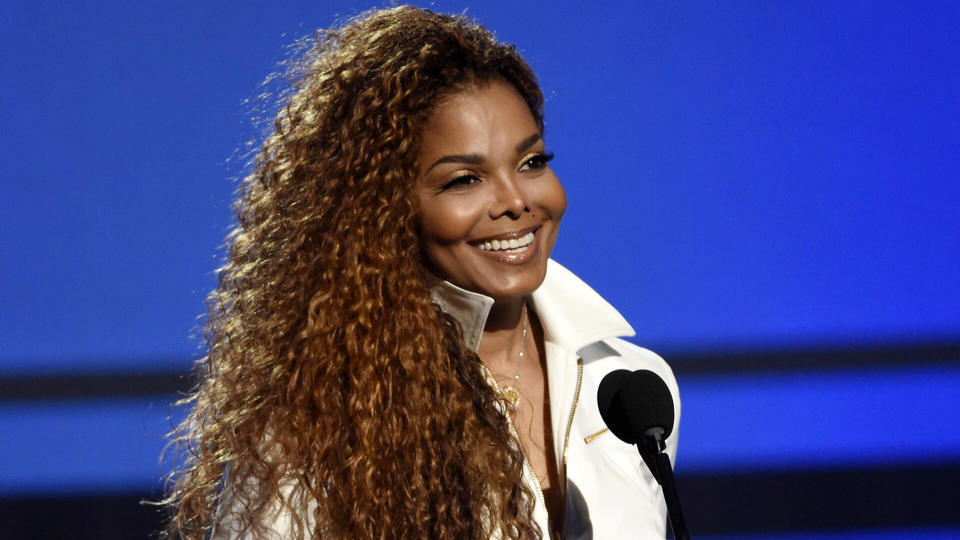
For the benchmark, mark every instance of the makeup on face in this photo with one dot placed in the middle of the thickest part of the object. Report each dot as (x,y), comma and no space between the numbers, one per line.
(490,206)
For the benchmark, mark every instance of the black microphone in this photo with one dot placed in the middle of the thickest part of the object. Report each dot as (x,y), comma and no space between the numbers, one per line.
(634,402)
(638,408)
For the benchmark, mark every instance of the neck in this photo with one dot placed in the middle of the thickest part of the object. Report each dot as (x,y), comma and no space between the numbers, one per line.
(501,334)
(504,315)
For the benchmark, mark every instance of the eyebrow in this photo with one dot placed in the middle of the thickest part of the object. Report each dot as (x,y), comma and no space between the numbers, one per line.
(477,159)
(527,143)
(470,159)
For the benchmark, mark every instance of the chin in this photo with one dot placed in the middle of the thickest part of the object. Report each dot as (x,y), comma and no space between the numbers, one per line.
(515,287)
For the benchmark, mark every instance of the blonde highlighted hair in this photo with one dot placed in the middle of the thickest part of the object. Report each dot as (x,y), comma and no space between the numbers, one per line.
(330,376)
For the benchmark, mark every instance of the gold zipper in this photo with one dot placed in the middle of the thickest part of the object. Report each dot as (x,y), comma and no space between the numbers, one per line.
(526,459)
(566,436)
(566,439)
(594,436)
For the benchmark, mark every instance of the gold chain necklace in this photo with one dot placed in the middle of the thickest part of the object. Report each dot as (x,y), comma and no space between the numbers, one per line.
(511,392)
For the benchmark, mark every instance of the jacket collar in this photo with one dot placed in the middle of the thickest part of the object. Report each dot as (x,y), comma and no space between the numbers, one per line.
(572,314)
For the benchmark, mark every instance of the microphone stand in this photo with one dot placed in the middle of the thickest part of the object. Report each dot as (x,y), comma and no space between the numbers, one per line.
(653,446)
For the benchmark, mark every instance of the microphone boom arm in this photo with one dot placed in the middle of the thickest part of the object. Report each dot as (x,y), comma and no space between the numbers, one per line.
(653,445)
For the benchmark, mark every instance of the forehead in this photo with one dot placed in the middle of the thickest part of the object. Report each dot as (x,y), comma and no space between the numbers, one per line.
(477,120)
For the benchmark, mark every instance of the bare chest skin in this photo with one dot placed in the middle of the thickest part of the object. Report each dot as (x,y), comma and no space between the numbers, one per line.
(532,417)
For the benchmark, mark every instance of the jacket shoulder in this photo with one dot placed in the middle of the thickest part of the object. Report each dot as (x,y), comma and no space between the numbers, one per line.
(617,353)
(634,357)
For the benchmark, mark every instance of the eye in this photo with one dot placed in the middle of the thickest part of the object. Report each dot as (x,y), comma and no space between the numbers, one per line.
(535,161)
(461,181)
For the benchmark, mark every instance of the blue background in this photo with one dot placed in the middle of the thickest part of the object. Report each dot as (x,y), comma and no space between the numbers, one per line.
(741,176)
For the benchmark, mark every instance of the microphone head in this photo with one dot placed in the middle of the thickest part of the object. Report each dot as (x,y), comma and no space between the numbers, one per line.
(632,402)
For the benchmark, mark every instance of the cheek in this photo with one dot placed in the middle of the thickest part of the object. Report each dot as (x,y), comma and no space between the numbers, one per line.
(553,198)
(446,222)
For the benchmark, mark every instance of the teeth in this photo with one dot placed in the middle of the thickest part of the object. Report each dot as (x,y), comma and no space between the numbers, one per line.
(503,245)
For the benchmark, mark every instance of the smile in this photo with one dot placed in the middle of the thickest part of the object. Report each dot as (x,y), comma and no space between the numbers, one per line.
(516,247)
(512,245)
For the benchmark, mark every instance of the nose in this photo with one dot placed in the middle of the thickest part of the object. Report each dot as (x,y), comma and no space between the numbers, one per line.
(509,199)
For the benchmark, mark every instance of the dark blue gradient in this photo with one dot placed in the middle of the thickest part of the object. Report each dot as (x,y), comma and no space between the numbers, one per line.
(85,446)
(904,534)
(844,418)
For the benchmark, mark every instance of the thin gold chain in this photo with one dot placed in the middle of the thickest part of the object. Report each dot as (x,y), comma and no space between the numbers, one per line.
(511,392)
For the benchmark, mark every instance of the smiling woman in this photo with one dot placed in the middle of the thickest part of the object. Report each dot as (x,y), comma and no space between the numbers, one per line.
(391,351)
(490,206)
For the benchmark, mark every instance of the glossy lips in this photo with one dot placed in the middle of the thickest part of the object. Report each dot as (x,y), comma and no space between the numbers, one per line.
(513,248)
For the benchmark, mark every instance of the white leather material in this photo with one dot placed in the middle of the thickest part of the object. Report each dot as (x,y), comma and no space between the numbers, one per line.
(611,494)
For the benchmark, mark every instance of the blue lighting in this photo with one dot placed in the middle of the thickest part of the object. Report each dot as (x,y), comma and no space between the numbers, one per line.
(802,420)
(109,445)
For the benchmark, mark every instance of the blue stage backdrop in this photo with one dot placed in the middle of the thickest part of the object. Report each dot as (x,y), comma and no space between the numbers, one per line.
(768,191)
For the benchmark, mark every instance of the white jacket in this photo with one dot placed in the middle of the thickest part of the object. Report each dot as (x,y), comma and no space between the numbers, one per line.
(611,494)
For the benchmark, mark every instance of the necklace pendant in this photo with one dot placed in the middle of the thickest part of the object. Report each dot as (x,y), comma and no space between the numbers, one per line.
(512,397)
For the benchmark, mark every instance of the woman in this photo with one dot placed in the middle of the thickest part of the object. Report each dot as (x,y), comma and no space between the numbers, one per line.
(391,352)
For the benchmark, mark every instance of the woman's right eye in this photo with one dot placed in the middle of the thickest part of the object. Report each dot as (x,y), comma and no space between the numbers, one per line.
(460,181)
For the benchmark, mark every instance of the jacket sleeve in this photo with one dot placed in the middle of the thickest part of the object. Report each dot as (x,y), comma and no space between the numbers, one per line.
(274,523)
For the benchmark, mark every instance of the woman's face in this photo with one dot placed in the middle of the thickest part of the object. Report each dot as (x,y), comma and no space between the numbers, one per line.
(490,205)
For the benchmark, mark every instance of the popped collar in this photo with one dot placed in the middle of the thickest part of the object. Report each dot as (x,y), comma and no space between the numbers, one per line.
(572,314)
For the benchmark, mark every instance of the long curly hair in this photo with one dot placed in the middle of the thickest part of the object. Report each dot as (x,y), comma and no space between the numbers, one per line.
(333,391)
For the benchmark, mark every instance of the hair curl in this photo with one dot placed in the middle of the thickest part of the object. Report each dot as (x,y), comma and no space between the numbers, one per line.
(330,376)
